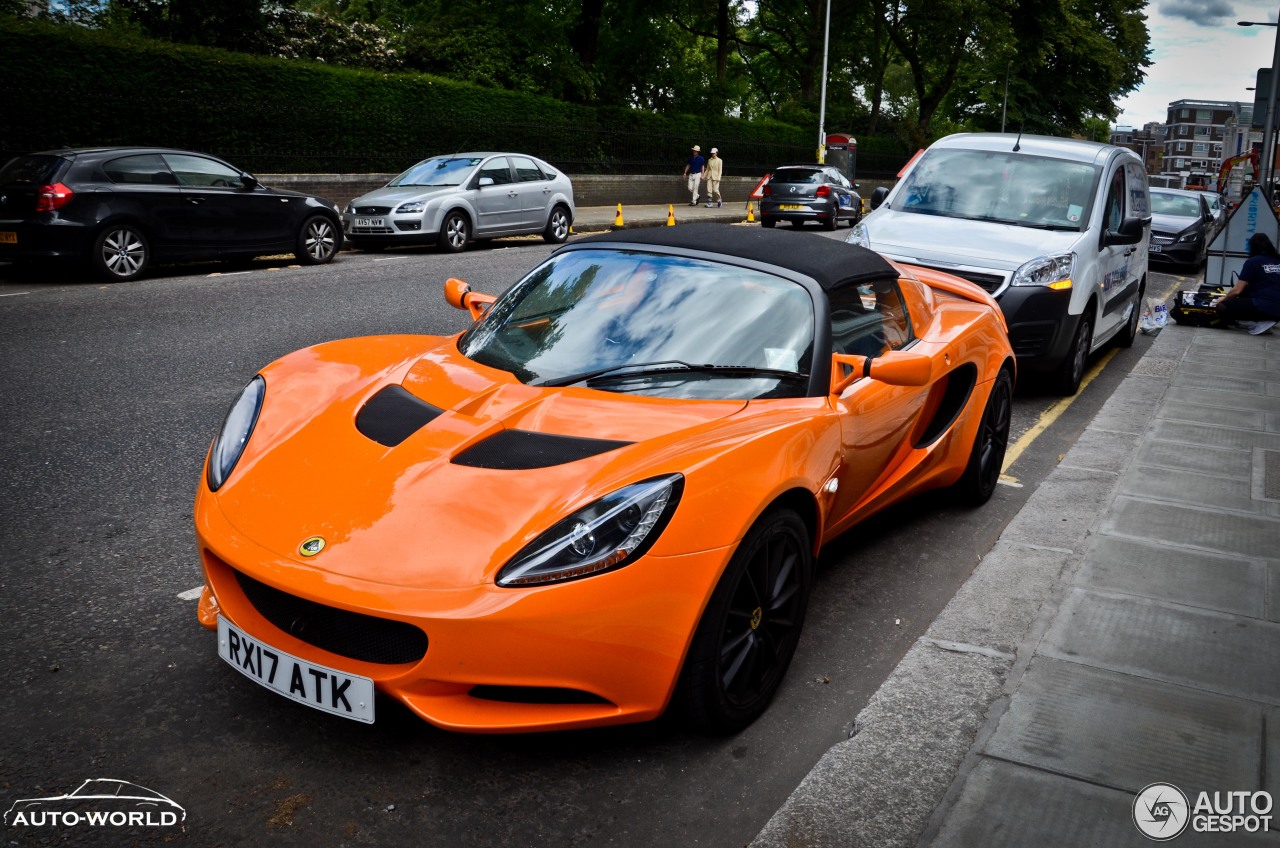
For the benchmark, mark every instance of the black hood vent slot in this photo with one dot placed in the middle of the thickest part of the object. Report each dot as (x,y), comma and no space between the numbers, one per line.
(393,415)
(521,450)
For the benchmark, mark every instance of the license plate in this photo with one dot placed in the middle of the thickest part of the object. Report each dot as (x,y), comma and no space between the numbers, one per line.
(791,207)
(370,222)
(317,686)
(1155,248)
(8,238)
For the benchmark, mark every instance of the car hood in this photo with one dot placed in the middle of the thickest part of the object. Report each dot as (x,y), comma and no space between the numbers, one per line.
(395,195)
(425,513)
(945,242)
(1171,223)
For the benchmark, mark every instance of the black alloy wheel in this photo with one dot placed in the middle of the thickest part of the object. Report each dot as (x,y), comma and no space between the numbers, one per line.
(749,631)
(121,252)
(1069,374)
(986,458)
(317,241)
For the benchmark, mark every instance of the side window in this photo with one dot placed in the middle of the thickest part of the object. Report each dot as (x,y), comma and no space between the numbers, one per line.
(1139,204)
(199,172)
(497,170)
(1115,200)
(869,319)
(144,169)
(527,171)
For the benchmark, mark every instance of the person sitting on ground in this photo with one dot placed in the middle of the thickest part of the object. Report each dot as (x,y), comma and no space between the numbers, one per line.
(1254,301)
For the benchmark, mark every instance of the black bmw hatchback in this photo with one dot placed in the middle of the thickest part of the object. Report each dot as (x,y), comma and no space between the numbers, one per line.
(122,208)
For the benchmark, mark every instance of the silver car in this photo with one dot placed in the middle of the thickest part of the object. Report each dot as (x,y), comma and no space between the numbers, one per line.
(451,200)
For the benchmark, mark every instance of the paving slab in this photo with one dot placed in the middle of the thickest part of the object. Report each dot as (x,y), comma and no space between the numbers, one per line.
(1213,651)
(1230,463)
(1223,400)
(1194,527)
(1211,436)
(1245,419)
(1192,578)
(1169,484)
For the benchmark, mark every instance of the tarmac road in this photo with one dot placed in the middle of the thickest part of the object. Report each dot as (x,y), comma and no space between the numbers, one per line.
(111,396)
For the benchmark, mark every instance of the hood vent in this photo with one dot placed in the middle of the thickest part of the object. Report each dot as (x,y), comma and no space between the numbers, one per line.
(393,415)
(521,450)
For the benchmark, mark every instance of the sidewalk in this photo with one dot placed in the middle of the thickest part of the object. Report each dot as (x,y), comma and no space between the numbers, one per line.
(594,219)
(1124,631)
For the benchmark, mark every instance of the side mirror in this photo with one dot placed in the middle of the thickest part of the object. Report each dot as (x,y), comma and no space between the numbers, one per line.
(485,181)
(459,295)
(878,194)
(1130,231)
(248,181)
(894,368)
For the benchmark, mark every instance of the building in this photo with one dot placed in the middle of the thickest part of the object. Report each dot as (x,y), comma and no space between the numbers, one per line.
(1195,138)
(1147,142)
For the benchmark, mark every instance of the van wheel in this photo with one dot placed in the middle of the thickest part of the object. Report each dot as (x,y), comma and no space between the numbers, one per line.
(1130,332)
(1069,374)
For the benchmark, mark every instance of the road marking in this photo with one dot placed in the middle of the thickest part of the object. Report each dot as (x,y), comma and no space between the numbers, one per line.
(229,273)
(13,294)
(1011,482)
(388,258)
(191,594)
(1052,414)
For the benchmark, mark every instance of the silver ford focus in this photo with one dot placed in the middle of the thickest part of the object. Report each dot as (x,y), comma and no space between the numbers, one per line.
(452,200)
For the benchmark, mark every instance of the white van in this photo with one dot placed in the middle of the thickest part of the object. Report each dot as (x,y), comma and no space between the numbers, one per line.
(1055,229)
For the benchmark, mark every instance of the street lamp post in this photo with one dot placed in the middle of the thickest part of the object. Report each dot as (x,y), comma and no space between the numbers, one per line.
(822,106)
(1269,134)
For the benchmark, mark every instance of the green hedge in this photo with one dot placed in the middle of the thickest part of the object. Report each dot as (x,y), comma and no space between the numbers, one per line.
(68,86)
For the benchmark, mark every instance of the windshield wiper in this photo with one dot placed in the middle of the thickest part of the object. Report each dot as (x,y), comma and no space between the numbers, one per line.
(672,366)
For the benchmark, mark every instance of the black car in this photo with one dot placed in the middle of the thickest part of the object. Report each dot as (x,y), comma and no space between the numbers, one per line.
(1181,226)
(800,193)
(123,208)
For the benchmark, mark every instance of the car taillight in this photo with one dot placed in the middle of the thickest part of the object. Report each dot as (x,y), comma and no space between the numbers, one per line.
(823,191)
(51,197)
(765,190)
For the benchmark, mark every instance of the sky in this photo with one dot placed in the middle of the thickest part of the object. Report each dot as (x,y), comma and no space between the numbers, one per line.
(1198,53)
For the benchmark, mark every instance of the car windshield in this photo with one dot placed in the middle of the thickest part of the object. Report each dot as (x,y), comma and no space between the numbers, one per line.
(807,176)
(440,171)
(1003,187)
(653,324)
(1175,204)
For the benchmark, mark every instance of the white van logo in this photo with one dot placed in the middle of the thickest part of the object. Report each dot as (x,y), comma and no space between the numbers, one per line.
(100,802)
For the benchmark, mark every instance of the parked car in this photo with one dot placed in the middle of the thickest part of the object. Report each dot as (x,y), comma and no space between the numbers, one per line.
(802,193)
(451,200)
(123,208)
(1181,226)
(606,495)
(1054,228)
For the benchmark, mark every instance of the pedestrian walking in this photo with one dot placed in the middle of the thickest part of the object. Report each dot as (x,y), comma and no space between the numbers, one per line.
(715,170)
(693,173)
(1254,301)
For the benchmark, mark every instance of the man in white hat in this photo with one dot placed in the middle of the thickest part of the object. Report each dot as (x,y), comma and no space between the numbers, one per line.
(693,173)
(715,170)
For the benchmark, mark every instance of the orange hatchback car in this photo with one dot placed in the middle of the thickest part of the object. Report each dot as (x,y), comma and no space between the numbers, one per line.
(605,497)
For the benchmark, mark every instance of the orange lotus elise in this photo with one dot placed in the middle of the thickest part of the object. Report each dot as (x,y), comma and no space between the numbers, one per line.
(602,500)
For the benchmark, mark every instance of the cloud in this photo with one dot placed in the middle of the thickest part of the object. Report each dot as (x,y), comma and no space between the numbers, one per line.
(1202,12)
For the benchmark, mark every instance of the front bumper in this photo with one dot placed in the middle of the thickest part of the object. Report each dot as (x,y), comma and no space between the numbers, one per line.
(1180,253)
(597,651)
(1041,326)
(799,210)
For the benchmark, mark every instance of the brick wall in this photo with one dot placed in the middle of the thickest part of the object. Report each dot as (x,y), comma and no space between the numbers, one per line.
(588,189)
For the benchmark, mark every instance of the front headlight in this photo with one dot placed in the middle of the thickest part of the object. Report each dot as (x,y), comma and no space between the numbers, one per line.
(411,207)
(610,533)
(858,235)
(351,209)
(235,432)
(1052,272)
(1190,235)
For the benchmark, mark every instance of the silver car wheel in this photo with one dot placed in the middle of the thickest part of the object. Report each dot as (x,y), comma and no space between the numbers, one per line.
(318,240)
(455,233)
(122,253)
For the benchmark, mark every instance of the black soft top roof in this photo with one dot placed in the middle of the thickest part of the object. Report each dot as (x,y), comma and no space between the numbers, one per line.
(832,264)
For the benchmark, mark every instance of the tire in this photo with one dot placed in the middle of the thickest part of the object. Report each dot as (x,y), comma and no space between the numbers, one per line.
(557,231)
(986,457)
(1130,332)
(455,232)
(744,642)
(834,221)
(1066,379)
(317,241)
(121,252)
(767,223)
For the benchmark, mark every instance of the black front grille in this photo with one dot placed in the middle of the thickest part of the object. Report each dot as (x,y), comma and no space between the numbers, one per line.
(373,210)
(342,632)
(989,282)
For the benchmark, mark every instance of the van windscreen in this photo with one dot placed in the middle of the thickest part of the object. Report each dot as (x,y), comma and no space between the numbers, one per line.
(1003,187)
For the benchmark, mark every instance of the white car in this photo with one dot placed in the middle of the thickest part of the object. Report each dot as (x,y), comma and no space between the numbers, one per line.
(1055,229)
(451,200)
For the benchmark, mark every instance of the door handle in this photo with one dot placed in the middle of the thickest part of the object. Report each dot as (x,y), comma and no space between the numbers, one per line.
(1130,251)
(195,201)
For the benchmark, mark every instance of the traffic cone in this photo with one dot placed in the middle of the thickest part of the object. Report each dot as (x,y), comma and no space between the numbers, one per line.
(751,213)
(617,222)
(671,215)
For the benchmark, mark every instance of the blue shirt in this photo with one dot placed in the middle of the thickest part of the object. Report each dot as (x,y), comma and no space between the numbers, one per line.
(1262,274)
(697,164)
